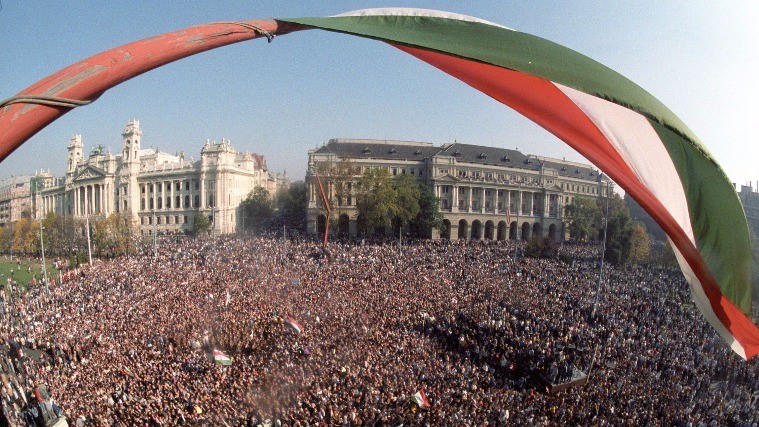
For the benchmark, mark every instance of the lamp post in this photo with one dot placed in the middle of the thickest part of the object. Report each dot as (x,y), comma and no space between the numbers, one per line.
(89,245)
(603,243)
(155,234)
(44,266)
(213,222)
(519,228)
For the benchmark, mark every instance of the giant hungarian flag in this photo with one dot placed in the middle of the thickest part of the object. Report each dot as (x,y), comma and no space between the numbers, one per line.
(630,135)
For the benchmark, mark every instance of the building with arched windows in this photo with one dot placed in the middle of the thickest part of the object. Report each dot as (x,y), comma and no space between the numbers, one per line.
(483,192)
(160,192)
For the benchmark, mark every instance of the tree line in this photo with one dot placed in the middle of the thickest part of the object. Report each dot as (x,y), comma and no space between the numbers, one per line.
(627,241)
(384,203)
(66,236)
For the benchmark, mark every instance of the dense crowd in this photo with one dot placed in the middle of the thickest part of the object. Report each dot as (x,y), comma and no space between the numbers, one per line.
(349,336)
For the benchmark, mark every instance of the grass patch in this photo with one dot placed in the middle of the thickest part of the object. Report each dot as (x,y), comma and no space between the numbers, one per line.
(22,270)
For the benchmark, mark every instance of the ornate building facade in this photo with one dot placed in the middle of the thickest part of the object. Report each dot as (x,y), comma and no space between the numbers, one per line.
(160,192)
(484,192)
(15,199)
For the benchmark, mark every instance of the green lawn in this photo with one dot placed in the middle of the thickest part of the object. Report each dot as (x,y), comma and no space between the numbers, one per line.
(21,271)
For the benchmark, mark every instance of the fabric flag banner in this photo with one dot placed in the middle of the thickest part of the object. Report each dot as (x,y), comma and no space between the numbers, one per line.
(420,398)
(221,358)
(622,129)
(295,325)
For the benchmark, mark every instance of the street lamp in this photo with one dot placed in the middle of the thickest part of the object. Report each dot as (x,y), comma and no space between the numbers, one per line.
(519,228)
(89,244)
(44,267)
(213,222)
(155,234)
(603,243)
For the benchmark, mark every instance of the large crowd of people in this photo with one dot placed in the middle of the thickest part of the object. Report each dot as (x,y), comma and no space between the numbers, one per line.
(350,335)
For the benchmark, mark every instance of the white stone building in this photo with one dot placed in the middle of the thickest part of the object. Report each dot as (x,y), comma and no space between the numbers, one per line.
(161,192)
(484,192)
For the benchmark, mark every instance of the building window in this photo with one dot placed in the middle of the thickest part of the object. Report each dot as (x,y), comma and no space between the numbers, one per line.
(142,204)
(160,203)
(210,200)
(177,200)
(187,201)
(185,219)
(168,203)
(197,184)
(150,203)
(187,185)
(178,186)
(150,188)
(142,189)
(158,220)
(197,201)
(176,219)
(150,220)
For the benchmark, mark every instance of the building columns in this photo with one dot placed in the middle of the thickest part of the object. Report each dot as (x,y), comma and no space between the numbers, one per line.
(531,208)
(455,203)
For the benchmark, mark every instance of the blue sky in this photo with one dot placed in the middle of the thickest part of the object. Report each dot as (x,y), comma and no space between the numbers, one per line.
(281,99)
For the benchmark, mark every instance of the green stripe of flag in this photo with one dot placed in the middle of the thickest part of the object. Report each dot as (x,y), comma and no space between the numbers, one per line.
(510,49)
(717,217)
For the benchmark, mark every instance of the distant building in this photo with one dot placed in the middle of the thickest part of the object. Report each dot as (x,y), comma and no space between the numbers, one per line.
(484,192)
(160,192)
(750,200)
(15,200)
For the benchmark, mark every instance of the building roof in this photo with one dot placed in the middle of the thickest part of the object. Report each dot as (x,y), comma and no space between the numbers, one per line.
(571,169)
(15,181)
(464,153)
(479,154)
(379,149)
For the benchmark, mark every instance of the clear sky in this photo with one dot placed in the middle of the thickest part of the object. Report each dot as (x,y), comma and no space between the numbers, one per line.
(701,58)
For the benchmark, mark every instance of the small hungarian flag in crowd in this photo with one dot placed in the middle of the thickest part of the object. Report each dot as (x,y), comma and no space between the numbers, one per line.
(221,358)
(420,398)
(295,325)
